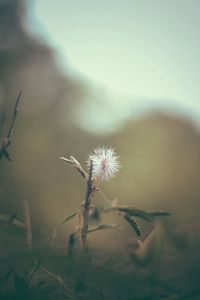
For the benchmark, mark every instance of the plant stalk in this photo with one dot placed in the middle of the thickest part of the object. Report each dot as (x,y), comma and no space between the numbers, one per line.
(85,209)
(27,221)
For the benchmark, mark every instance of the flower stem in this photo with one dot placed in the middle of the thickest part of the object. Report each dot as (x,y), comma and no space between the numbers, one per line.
(85,209)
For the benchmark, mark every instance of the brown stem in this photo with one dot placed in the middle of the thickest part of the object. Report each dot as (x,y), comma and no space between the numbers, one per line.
(85,208)
(27,221)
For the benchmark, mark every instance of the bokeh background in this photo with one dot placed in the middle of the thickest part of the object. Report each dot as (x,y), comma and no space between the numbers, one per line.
(118,73)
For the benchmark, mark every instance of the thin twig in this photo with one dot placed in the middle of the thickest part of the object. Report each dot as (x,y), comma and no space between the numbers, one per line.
(27,221)
(14,116)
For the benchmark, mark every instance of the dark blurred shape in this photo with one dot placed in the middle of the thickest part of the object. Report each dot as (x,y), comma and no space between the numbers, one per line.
(160,155)
(186,237)
(29,64)
(6,136)
(45,110)
(12,24)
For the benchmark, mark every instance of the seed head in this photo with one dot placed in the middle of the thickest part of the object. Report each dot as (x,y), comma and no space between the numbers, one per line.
(105,163)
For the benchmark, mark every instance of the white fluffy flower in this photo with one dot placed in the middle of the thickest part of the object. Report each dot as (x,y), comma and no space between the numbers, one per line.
(105,163)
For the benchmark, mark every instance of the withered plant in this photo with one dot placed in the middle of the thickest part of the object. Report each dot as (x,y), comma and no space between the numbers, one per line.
(102,165)
(5,142)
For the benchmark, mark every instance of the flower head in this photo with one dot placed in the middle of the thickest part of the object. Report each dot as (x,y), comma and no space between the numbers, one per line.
(105,163)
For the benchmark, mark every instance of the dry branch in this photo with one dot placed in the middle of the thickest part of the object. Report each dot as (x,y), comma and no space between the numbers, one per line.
(6,139)
(15,222)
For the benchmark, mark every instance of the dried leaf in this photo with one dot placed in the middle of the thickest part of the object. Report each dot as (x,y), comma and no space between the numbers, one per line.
(103,226)
(55,232)
(132,222)
(66,159)
(132,211)
(74,163)
(157,213)
(69,217)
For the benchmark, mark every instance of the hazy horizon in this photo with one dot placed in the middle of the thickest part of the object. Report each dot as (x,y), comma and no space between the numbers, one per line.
(147,53)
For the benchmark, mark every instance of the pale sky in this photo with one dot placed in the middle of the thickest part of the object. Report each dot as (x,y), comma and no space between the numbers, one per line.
(145,49)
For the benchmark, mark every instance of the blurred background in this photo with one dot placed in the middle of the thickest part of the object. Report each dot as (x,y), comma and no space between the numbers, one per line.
(117,73)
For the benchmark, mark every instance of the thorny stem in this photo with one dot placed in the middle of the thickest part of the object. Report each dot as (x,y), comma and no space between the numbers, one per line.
(85,208)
